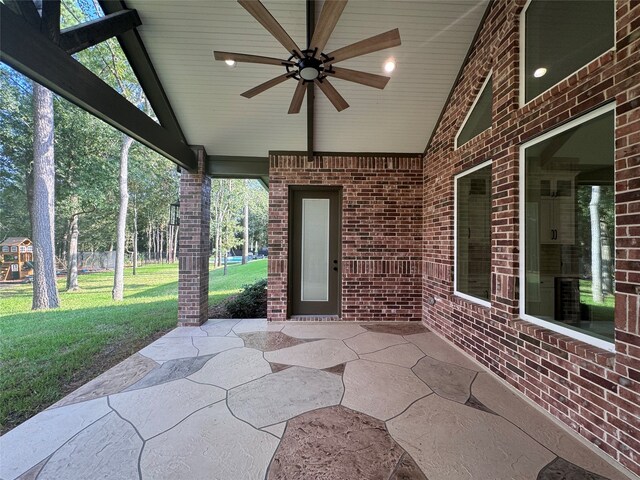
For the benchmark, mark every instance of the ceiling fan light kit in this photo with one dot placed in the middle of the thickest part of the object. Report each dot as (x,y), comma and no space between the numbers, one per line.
(312,65)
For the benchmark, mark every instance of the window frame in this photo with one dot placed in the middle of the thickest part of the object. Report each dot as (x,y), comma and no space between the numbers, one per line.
(522,52)
(456,292)
(575,334)
(473,105)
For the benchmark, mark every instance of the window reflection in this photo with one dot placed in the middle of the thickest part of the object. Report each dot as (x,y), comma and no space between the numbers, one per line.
(473,233)
(561,36)
(569,228)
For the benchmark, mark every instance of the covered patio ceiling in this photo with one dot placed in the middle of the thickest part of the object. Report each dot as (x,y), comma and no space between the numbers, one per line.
(197,99)
(205,94)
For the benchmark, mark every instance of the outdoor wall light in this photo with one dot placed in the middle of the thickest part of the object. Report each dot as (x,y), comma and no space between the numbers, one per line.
(540,72)
(231,63)
(174,214)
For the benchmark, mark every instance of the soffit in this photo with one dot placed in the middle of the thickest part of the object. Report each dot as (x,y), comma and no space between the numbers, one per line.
(205,94)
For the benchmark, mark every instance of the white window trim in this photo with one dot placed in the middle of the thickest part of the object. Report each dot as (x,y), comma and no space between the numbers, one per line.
(473,105)
(583,337)
(522,51)
(466,296)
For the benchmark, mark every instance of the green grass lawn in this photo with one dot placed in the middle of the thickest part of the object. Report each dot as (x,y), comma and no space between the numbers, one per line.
(46,354)
(586,296)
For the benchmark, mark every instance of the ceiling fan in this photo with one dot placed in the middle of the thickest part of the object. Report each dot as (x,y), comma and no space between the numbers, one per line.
(312,64)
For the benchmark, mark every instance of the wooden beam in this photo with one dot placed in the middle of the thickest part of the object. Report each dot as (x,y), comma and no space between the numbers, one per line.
(224,166)
(136,53)
(26,50)
(311,24)
(50,23)
(26,9)
(85,35)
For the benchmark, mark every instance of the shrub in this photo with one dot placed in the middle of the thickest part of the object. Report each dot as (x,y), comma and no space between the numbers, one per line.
(250,303)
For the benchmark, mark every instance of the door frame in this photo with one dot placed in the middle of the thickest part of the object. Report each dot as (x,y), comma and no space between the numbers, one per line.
(290,221)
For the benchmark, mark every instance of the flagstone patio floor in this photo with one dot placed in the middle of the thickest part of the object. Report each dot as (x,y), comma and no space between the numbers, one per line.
(243,400)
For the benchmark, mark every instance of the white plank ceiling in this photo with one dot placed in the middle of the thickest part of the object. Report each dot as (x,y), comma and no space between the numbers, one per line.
(180,37)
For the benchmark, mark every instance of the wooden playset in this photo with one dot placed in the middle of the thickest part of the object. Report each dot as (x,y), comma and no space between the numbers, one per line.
(16,255)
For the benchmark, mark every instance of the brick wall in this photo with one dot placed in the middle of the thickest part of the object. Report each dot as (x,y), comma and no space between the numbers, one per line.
(595,392)
(193,251)
(381,231)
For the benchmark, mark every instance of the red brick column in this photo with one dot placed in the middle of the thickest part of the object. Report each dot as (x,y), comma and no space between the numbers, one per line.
(193,246)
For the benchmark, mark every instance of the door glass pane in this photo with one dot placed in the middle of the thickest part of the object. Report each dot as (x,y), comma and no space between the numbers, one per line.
(315,250)
(569,234)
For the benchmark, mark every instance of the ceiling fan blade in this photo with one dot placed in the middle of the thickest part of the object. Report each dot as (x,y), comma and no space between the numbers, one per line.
(331,11)
(241,57)
(332,94)
(262,15)
(369,79)
(373,44)
(266,85)
(298,96)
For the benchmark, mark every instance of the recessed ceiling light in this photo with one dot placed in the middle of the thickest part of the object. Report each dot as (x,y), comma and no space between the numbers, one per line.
(540,72)
(389,66)
(231,63)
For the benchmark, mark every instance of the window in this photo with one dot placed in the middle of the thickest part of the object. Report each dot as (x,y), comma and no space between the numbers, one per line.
(567,262)
(560,37)
(479,117)
(473,234)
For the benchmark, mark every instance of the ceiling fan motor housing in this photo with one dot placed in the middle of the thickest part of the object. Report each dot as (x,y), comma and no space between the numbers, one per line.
(309,68)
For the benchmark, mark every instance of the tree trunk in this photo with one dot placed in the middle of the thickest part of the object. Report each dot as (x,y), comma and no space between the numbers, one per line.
(162,256)
(607,263)
(169,242)
(596,256)
(245,243)
(45,290)
(148,233)
(118,277)
(216,257)
(175,242)
(72,256)
(157,245)
(135,236)
(224,272)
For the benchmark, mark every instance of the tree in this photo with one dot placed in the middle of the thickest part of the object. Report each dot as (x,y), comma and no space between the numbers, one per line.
(596,256)
(72,256)
(16,153)
(108,61)
(245,230)
(45,290)
(118,277)
(85,180)
(258,215)
(86,163)
(227,201)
